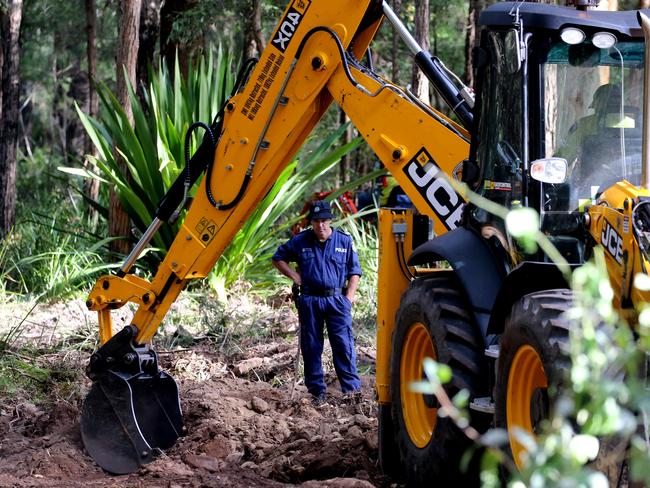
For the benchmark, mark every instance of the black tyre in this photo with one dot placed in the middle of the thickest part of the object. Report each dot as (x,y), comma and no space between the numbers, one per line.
(433,321)
(533,363)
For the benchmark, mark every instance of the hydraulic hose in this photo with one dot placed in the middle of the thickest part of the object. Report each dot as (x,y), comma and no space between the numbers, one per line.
(188,135)
(243,74)
(203,158)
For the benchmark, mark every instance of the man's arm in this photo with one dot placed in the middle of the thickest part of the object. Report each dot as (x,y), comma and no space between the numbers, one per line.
(353,271)
(284,268)
(353,284)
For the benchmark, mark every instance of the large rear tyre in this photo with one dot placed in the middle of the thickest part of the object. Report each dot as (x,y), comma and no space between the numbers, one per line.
(533,364)
(433,321)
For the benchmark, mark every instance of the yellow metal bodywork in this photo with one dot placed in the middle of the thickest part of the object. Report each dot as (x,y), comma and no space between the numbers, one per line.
(265,124)
(391,283)
(610,224)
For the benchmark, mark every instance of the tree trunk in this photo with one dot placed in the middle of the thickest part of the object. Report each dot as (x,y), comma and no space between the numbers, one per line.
(644,3)
(91,35)
(91,186)
(254,42)
(149,32)
(127,55)
(472,37)
(10,20)
(169,12)
(419,81)
(397,8)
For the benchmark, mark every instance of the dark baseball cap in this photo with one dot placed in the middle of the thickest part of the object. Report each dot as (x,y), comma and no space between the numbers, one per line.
(320,209)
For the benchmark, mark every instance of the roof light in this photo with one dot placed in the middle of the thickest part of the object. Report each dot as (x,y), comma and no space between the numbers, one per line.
(603,40)
(572,35)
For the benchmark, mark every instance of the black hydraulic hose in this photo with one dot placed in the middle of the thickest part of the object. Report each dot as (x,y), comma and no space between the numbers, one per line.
(188,136)
(203,158)
(371,65)
(339,45)
(234,201)
(401,259)
(194,168)
(208,190)
(451,89)
(243,74)
(248,175)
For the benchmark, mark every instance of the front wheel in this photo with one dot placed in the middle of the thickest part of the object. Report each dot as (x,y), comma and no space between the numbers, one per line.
(533,364)
(433,321)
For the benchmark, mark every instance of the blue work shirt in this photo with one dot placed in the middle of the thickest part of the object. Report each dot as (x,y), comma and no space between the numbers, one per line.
(326,264)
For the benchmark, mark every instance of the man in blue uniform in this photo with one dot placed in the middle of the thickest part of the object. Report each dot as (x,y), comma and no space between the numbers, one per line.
(326,260)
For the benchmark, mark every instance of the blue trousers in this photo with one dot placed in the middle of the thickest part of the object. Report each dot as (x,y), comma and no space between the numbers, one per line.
(336,313)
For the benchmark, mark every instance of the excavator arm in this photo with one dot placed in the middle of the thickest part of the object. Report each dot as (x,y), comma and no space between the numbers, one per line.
(310,61)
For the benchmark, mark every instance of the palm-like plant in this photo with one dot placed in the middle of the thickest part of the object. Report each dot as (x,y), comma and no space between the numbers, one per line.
(153,148)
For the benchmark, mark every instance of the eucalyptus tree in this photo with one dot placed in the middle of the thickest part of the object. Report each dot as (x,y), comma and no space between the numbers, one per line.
(10,20)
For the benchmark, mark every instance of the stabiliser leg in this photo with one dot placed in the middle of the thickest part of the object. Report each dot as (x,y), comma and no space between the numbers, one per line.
(132,411)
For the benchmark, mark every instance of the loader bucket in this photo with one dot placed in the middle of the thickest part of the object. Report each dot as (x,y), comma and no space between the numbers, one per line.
(127,419)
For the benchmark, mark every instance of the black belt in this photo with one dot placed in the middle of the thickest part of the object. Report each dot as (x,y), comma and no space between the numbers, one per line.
(320,292)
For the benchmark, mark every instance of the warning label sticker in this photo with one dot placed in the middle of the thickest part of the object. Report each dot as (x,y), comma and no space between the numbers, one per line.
(497,185)
(207,229)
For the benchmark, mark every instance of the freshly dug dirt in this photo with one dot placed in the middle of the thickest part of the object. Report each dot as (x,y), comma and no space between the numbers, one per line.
(247,425)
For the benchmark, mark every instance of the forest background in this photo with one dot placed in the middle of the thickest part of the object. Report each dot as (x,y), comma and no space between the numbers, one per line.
(57,54)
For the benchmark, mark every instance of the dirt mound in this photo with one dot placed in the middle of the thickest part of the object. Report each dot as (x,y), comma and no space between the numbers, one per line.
(247,425)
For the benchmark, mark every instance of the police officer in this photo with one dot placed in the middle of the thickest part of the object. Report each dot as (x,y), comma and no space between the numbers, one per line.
(326,260)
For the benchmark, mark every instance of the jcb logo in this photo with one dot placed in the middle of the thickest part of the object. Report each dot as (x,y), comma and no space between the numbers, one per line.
(436,190)
(612,241)
(289,24)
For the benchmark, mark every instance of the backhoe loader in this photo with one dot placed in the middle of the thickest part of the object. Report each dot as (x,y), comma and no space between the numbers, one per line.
(494,314)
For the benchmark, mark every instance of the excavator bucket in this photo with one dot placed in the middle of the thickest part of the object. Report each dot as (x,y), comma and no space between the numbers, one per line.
(129,416)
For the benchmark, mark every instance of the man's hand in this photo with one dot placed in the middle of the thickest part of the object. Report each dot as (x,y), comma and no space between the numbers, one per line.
(295,293)
(353,284)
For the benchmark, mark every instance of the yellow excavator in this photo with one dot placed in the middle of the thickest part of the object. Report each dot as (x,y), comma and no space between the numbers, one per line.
(536,135)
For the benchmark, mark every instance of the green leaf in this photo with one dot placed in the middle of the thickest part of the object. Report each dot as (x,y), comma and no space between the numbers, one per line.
(523,225)
(495,438)
(584,448)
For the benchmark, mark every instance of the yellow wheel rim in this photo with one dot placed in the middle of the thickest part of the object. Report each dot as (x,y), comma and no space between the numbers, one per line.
(525,377)
(420,419)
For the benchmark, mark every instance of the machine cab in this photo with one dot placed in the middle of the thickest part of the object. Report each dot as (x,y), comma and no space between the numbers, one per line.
(559,113)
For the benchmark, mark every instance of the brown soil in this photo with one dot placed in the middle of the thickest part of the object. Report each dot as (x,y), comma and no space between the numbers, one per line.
(247,425)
